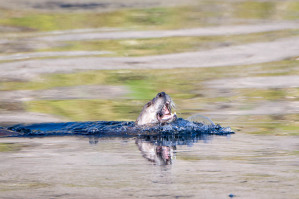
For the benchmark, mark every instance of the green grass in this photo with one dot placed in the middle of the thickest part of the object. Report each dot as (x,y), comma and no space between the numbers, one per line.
(183,81)
(280,125)
(202,14)
(87,110)
(168,45)
(270,94)
(39,21)
(10,147)
(57,80)
(267,10)
(149,18)
(255,9)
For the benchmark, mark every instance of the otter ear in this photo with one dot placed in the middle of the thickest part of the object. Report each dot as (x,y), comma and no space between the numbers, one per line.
(149,104)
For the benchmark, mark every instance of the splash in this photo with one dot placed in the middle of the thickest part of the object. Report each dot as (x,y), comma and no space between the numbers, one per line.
(115,128)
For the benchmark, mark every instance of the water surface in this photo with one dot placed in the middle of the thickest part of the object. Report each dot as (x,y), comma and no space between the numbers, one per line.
(236,63)
(245,166)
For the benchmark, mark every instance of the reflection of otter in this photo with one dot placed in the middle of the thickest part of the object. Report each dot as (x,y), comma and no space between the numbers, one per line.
(160,155)
(158,110)
(160,148)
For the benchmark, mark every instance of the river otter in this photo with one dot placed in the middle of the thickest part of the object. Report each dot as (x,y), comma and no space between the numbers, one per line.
(157,111)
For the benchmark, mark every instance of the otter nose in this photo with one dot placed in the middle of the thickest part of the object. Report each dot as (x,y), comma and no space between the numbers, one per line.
(162,94)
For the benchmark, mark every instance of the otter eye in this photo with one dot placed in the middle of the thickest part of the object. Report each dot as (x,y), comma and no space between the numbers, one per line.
(161,94)
(149,104)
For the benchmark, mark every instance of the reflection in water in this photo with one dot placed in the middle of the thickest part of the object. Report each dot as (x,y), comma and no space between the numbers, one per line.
(160,155)
(113,166)
(160,148)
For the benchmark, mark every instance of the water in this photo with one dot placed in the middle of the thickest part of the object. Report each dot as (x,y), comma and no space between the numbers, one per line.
(246,166)
(235,63)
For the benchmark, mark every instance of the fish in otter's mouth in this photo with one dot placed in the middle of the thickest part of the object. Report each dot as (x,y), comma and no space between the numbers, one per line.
(165,114)
(158,110)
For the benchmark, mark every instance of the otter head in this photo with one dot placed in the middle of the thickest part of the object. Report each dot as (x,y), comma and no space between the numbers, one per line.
(156,111)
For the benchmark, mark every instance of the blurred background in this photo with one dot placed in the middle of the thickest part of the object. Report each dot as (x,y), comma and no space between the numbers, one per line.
(235,61)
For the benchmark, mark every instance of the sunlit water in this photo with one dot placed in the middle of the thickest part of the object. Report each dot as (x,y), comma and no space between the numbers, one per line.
(241,165)
(254,91)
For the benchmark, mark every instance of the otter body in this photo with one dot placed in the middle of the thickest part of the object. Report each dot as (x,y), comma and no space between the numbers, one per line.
(158,110)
